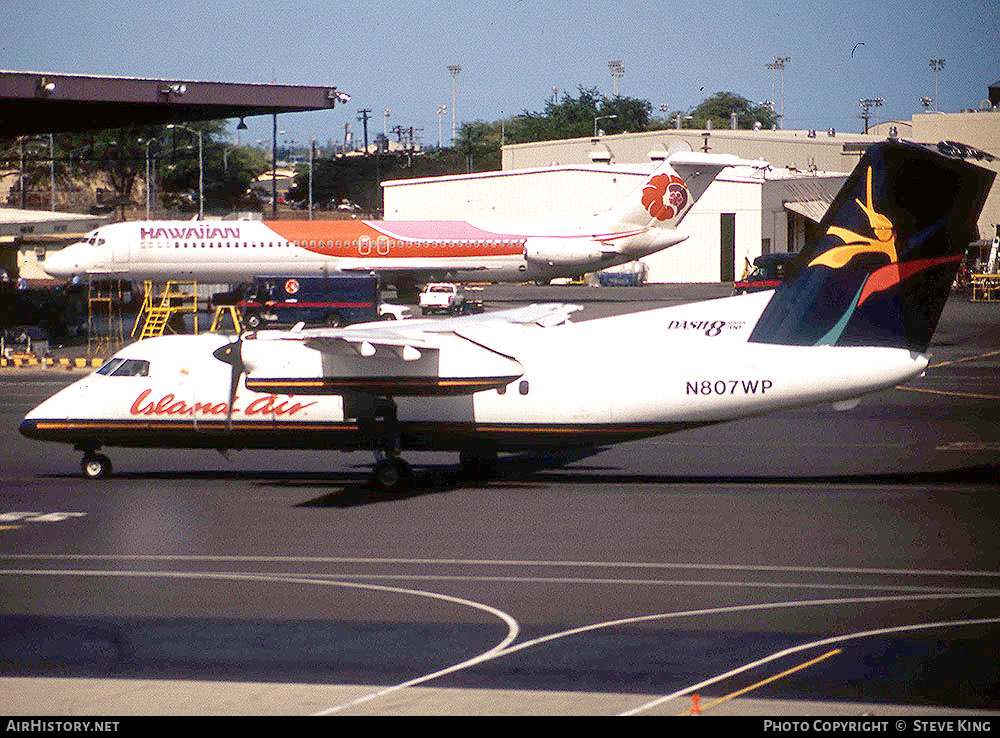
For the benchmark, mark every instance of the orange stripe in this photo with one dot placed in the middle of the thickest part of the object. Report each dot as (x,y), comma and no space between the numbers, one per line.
(321,237)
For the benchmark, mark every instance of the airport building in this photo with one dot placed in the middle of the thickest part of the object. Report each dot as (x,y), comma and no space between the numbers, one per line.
(745,212)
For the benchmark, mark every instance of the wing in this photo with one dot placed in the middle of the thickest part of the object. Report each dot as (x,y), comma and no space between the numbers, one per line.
(415,357)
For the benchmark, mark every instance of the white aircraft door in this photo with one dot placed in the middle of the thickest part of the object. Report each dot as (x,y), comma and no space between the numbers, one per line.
(120,248)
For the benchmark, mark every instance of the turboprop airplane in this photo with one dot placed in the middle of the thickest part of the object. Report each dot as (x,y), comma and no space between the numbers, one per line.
(404,253)
(854,316)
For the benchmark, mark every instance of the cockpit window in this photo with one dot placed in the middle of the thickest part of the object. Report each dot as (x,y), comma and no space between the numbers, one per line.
(132,368)
(109,366)
(125,368)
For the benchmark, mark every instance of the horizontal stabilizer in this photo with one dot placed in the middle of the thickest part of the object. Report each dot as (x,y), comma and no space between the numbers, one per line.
(671,190)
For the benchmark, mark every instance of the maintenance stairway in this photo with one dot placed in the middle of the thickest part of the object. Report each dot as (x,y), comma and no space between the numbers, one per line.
(154,319)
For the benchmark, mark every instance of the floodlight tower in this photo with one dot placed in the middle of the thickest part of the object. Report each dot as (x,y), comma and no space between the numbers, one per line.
(453,70)
(779,63)
(937,65)
(617,72)
(878,102)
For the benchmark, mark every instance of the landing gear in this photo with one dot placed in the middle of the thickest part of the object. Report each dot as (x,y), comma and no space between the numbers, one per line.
(95,466)
(392,475)
(379,426)
(407,292)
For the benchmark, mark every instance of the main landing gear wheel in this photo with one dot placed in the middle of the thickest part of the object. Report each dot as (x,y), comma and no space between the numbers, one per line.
(96,466)
(392,475)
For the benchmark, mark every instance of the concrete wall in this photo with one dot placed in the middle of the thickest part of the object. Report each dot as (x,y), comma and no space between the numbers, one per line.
(792,149)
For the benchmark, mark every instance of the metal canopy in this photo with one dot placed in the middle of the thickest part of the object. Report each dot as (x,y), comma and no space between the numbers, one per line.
(814,210)
(39,102)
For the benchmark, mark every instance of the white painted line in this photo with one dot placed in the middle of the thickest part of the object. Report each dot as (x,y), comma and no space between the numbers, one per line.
(806,646)
(504,647)
(512,626)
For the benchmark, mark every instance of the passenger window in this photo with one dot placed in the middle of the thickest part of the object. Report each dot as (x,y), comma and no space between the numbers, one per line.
(523,387)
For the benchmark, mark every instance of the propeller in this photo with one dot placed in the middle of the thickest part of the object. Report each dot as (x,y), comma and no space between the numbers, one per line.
(232,354)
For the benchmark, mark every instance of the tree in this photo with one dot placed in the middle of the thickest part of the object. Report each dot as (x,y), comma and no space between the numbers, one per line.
(479,141)
(721,105)
(574,117)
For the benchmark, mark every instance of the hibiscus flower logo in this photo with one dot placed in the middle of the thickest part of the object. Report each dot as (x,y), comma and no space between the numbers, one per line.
(664,196)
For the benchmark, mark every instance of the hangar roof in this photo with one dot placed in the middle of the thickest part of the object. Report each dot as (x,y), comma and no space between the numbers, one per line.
(40,102)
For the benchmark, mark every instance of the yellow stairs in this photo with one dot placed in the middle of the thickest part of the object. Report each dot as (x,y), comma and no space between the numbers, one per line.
(156,322)
(154,319)
(220,313)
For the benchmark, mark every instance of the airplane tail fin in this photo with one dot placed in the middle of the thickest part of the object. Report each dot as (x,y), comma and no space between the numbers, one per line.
(892,242)
(672,189)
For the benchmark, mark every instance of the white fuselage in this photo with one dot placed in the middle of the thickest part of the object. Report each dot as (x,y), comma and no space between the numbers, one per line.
(584,383)
(237,251)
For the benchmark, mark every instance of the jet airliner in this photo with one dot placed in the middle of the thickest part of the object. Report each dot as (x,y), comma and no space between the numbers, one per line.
(403,253)
(854,316)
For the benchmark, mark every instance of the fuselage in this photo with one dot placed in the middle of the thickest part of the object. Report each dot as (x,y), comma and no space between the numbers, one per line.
(582,384)
(410,251)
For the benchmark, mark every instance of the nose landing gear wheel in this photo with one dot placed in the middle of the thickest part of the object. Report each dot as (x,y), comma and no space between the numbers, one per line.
(96,466)
(392,476)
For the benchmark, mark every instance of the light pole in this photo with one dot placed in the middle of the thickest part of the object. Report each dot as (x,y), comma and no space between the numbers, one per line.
(201,168)
(779,63)
(937,65)
(312,156)
(442,109)
(453,70)
(617,72)
(601,117)
(148,193)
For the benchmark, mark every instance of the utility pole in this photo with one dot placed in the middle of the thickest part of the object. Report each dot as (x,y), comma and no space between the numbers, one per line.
(363,117)
(866,106)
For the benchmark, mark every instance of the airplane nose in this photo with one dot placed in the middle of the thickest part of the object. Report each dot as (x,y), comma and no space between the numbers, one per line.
(64,262)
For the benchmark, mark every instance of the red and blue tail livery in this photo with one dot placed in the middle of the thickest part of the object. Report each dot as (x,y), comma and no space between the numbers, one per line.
(892,242)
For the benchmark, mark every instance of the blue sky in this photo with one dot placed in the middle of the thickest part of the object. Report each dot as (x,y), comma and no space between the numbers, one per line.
(393,53)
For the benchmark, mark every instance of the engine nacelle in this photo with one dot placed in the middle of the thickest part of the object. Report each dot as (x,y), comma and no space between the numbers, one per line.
(564,251)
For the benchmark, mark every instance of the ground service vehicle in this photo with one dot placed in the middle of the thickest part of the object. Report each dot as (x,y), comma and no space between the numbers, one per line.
(768,272)
(442,297)
(334,301)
